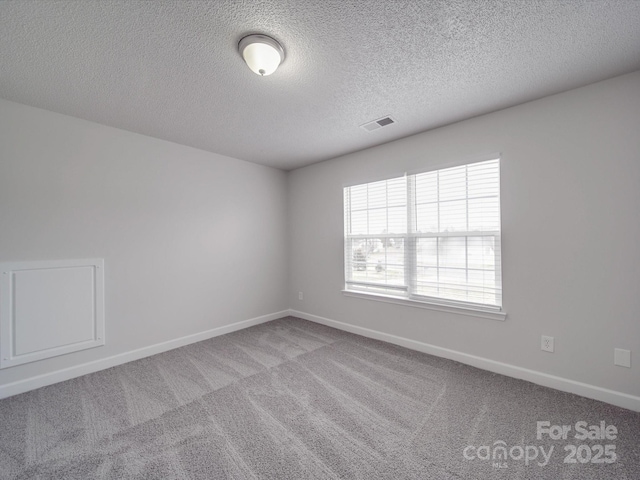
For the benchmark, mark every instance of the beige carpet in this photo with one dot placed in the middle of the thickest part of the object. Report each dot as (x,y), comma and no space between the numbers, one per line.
(292,399)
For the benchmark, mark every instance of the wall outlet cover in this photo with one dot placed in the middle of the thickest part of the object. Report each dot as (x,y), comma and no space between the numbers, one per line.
(546,343)
(622,357)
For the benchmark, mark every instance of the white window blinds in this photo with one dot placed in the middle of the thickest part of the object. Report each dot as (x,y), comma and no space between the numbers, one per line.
(434,236)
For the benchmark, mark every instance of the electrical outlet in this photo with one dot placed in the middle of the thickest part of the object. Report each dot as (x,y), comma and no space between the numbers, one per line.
(300,296)
(547,344)
(622,357)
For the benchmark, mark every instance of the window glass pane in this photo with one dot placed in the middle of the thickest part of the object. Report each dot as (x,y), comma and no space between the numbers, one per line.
(483,179)
(397,192)
(358,260)
(452,283)
(452,183)
(391,263)
(427,217)
(480,252)
(482,286)
(427,252)
(375,261)
(484,214)
(453,216)
(427,282)
(358,197)
(452,252)
(377,221)
(359,223)
(394,274)
(397,220)
(482,280)
(377,195)
(426,187)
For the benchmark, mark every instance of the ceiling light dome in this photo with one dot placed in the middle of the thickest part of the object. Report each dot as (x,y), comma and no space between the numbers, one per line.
(263,54)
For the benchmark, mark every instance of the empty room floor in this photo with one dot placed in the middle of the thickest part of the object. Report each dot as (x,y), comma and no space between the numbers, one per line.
(291,399)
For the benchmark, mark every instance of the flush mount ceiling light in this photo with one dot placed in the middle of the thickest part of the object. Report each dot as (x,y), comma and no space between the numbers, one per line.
(263,54)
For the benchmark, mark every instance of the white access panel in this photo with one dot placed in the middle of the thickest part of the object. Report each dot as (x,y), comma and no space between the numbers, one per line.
(50,308)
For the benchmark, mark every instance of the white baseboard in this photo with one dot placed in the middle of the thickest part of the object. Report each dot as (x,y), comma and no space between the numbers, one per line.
(613,397)
(32,383)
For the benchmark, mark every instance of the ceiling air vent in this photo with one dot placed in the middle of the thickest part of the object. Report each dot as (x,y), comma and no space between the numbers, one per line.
(376,124)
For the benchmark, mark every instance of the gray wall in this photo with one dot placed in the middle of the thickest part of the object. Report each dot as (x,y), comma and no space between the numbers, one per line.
(191,240)
(571,233)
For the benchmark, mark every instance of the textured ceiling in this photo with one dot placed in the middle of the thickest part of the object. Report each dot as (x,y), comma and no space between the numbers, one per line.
(171,69)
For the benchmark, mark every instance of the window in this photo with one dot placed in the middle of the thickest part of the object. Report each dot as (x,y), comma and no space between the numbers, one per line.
(432,237)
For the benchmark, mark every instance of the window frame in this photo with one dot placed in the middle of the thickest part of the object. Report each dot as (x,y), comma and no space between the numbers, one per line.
(410,239)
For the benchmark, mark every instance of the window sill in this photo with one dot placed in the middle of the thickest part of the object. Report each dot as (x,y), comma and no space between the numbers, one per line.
(469,311)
